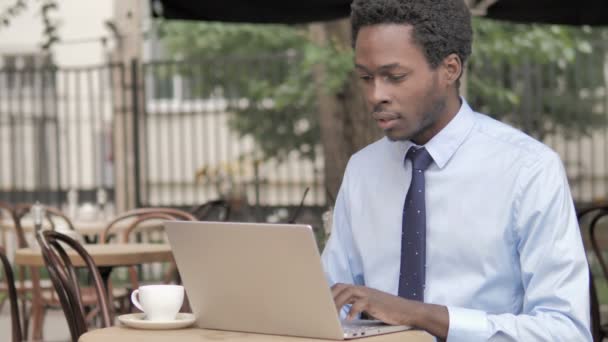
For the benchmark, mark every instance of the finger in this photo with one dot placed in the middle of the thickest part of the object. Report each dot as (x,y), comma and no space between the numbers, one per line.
(348,295)
(356,308)
(337,288)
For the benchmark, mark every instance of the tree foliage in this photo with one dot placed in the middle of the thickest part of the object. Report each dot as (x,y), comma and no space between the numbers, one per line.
(542,78)
(534,76)
(272,67)
(50,24)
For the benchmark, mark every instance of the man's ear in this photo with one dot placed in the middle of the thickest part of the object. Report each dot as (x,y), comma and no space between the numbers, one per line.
(452,69)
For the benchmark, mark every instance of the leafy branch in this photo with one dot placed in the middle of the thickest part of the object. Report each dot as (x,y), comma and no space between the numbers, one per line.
(47,7)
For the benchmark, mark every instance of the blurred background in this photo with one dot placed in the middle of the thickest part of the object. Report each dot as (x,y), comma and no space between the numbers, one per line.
(106,106)
(102,103)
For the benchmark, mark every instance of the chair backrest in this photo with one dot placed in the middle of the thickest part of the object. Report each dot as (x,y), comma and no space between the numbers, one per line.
(134,215)
(205,211)
(142,219)
(12,296)
(65,281)
(295,214)
(52,215)
(9,211)
(596,212)
(595,240)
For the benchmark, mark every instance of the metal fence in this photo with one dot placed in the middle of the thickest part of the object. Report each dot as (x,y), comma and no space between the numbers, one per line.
(163,130)
(190,151)
(54,133)
(156,129)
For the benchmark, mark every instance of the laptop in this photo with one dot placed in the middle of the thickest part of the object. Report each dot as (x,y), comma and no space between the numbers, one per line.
(260,278)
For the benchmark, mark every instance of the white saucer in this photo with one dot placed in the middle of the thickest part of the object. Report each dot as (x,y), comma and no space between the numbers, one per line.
(138,321)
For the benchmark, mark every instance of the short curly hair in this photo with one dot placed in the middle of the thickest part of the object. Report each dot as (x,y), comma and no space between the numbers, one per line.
(440,27)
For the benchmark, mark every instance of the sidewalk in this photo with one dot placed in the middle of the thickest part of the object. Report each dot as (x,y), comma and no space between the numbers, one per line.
(55,326)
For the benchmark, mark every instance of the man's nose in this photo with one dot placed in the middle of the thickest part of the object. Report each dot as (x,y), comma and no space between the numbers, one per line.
(378,94)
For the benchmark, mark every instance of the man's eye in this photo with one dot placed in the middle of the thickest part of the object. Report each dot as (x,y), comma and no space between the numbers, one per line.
(365,77)
(396,78)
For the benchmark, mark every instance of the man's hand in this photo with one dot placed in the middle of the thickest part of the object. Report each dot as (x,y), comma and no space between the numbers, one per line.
(380,305)
(391,309)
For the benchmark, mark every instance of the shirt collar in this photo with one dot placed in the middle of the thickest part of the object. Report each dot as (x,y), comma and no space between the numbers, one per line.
(445,143)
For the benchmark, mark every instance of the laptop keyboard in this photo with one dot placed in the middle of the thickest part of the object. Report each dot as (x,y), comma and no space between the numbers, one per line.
(360,327)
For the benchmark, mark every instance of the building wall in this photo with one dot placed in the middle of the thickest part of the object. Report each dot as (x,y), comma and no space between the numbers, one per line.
(78,20)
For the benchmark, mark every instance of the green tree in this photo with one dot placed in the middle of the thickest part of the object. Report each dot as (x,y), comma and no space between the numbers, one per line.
(47,7)
(542,78)
(530,75)
(281,111)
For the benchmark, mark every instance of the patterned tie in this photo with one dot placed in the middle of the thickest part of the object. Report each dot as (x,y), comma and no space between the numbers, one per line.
(413,237)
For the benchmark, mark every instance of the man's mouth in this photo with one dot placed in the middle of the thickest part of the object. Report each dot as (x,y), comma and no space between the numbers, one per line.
(385,120)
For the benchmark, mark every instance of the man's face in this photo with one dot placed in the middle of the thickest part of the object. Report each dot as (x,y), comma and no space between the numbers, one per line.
(405,95)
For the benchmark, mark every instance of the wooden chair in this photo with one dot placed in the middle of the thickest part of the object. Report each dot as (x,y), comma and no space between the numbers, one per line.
(131,217)
(44,296)
(137,219)
(598,330)
(65,281)
(26,288)
(52,215)
(12,296)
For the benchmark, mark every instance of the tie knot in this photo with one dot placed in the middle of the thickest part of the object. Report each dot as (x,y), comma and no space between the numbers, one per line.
(420,157)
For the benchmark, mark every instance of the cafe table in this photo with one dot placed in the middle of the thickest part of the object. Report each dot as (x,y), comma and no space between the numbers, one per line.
(120,254)
(121,333)
(106,256)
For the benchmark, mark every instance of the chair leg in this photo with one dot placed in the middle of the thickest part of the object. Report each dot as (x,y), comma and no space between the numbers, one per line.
(90,317)
(38,308)
(25,315)
(22,294)
(37,321)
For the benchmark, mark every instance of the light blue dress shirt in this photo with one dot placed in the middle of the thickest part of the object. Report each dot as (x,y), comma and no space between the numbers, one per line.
(504,251)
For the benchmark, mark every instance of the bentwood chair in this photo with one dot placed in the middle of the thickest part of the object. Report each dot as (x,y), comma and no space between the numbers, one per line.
(65,281)
(9,279)
(111,230)
(26,288)
(44,297)
(141,219)
(53,218)
(598,330)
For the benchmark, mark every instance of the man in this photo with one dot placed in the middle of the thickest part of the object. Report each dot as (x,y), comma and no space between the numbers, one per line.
(453,223)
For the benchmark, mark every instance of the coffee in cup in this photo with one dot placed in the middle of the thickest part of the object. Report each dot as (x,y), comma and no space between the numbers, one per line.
(159,302)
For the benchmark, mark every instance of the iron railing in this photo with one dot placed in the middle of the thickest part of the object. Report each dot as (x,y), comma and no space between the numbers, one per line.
(61,130)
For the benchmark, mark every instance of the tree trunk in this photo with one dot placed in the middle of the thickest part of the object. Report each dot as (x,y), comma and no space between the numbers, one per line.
(346,125)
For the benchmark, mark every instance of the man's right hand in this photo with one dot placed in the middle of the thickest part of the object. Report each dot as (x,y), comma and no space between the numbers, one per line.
(391,309)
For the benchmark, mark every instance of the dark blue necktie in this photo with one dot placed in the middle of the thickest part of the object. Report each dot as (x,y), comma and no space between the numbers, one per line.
(413,238)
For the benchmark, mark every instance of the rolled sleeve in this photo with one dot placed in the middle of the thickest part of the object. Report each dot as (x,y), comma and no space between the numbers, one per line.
(467,325)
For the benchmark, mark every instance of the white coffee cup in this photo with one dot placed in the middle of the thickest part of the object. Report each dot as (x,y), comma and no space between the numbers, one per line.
(159,302)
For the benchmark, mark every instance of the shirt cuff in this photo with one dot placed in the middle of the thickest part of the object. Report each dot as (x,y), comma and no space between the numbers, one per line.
(467,325)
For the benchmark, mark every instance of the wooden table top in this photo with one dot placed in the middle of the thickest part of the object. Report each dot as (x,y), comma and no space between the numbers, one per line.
(105,254)
(121,333)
